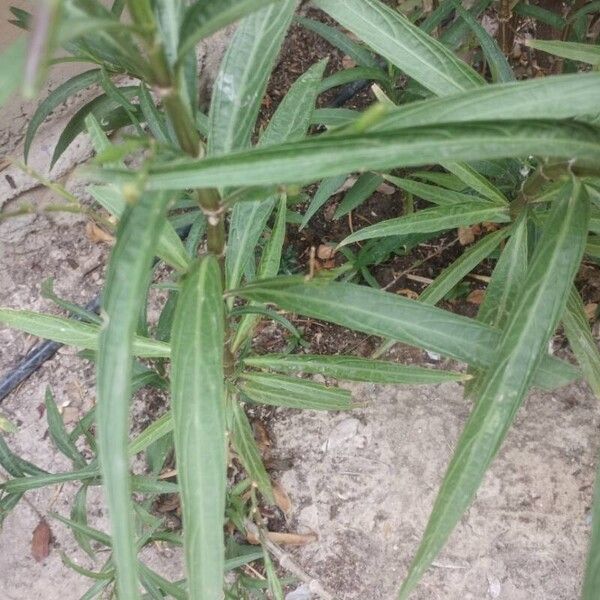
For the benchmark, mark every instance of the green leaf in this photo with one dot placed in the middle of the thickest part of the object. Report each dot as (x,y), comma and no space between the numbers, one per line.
(386,315)
(197,398)
(559,97)
(351,368)
(462,266)
(207,17)
(79,515)
(522,346)
(290,122)
(336,38)
(293,392)
(354,74)
(334,117)
(74,333)
(433,219)
(432,193)
(331,155)
(247,449)
(476,181)
(327,189)
(501,71)
(581,340)
(105,109)
(63,92)
(243,76)
(58,433)
(586,53)
(362,190)
(126,282)
(393,36)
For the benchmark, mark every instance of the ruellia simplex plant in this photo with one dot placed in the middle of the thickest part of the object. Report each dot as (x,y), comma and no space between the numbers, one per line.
(473,149)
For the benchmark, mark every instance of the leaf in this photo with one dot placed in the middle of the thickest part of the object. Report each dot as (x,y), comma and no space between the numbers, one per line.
(197,399)
(243,76)
(62,93)
(293,392)
(346,76)
(475,181)
(290,122)
(586,53)
(394,37)
(124,291)
(205,18)
(522,345)
(334,117)
(59,434)
(341,41)
(559,97)
(327,189)
(107,112)
(12,64)
(74,333)
(501,71)
(351,368)
(331,155)
(433,219)
(581,340)
(249,453)
(40,541)
(363,189)
(462,266)
(79,515)
(389,316)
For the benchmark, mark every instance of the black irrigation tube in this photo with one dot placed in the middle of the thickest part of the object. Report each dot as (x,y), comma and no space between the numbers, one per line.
(46,349)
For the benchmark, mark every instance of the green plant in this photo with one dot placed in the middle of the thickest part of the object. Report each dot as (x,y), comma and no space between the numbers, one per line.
(232,184)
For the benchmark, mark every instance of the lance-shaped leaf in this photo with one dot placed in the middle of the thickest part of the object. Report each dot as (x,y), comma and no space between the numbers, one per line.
(293,392)
(243,76)
(249,453)
(197,397)
(205,18)
(433,219)
(327,189)
(330,155)
(393,36)
(126,282)
(462,266)
(522,346)
(74,333)
(290,122)
(587,53)
(352,368)
(391,316)
(476,181)
(560,97)
(364,187)
(582,341)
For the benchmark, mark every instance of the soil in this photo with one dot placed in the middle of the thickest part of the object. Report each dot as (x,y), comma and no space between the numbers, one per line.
(364,481)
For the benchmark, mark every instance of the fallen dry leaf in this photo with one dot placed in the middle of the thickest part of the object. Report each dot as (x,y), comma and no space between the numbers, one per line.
(70,415)
(325,252)
(97,235)
(282,500)
(262,437)
(476,297)
(590,310)
(466,236)
(386,189)
(40,541)
(408,293)
(348,62)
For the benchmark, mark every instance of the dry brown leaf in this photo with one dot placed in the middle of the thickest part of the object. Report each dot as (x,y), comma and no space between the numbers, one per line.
(97,235)
(325,252)
(466,236)
(408,293)
(292,539)
(476,297)
(40,541)
(263,440)
(386,189)
(590,310)
(348,62)
(282,500)
(70,415)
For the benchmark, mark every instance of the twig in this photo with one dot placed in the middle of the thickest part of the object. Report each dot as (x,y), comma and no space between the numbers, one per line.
(285,561)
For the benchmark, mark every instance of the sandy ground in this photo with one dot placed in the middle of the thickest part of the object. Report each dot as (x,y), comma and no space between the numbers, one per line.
(364,482)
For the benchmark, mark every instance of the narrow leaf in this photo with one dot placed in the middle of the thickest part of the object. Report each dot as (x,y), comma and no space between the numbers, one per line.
(327,188)
(197,397)
(362,190)
(586,53)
